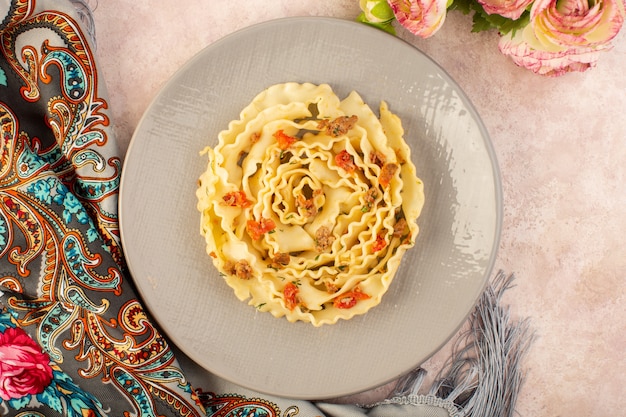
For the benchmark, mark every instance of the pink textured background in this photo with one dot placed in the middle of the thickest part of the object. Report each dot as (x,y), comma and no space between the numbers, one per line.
(561,145)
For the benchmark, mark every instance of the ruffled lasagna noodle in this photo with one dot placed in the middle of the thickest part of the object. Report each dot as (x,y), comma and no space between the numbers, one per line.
(309,202)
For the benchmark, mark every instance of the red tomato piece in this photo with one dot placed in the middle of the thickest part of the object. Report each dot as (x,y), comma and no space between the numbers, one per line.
(284,140)
(290,295)
(257,229)
(386,174)
(236,199)
(380,243)
(349,299)
(345,161)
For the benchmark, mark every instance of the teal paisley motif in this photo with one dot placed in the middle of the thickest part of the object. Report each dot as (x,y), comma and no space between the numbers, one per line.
(74,75)
(135,389)
(88,139)
(81,264)
(89,157)
(76,296)
(94,190)
(51,328)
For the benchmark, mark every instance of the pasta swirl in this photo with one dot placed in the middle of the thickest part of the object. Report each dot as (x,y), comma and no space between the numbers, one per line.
(309,202)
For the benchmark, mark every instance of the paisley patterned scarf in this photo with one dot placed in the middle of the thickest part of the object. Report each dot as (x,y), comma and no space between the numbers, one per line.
(75,339)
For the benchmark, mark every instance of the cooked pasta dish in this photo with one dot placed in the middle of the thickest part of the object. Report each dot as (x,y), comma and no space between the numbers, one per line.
(309,202)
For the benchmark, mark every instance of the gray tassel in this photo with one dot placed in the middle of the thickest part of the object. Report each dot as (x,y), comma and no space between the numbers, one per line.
(483,376)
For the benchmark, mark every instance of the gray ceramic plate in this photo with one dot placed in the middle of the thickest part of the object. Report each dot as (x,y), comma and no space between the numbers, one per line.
(440,278)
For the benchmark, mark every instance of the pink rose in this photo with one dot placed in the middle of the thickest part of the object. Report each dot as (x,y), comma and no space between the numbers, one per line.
(24,368)
(421,17)
(511,9)
(569,23)
(564,35)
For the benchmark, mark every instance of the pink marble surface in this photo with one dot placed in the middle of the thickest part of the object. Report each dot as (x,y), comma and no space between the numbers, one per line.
(561,145)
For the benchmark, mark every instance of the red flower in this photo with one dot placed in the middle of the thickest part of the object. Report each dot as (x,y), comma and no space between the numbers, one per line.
(24,368)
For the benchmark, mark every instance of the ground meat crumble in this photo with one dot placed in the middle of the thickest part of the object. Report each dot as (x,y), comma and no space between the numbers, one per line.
(339,126)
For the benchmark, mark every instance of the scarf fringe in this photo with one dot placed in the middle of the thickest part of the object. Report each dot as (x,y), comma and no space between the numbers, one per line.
(483,376)
(84,11)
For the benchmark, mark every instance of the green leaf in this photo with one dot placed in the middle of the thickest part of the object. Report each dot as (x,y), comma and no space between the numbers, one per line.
(3,78)
(484,21)
(514,25)
(480,23)
(462,6)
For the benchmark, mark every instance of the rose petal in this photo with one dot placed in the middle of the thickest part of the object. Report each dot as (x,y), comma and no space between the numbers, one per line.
(511,9)
(553,63)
